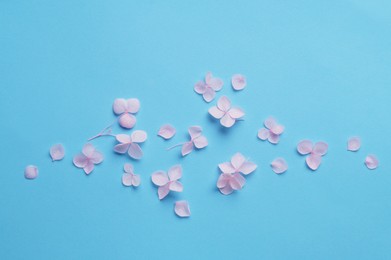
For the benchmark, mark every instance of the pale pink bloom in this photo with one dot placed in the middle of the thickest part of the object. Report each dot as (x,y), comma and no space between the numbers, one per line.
(279,165)
(208,88)
(238,82)
(354,144)
(129,178)
(371,162)
(57,152)
(228,182)
(196,140)
(227,114)
(88,158)
(126,109)
(166,131)
(314,152)
(130,144)
(31,172)
(167,182)
(271,132)
(182,208)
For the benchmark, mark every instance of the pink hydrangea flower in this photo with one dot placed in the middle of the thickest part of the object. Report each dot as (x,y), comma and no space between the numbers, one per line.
(130,144)
(88,158)
(168,182)
(208,88)
(196,139)
(227,114)
(272,131)
(129,178)
(126,110)
(314,152)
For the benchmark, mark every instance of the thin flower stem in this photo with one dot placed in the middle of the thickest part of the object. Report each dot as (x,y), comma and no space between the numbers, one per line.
(105,132)
(169,148)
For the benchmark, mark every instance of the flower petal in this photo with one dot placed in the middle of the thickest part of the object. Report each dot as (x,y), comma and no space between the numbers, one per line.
(239,179)
(216,112)
(160,178)
(182,209)
(273,138)
(238,82)
(31,172)
(226,190)
(224,104)
(270,122)
(163,191)
(200,142)
(304,147)
(320,148)
(128,168)
(195,131)
(88,150)
(124,139)
(57,152)
(139,136)
(89,167)
(127,120)
(166,131)
(136,180)
(263,134)
(236,112)
(135,151)
(313,161)
(127,179)
(279,165)
(226,167)
(354,144)
(175,172)
(237,160)
(133,105)
(121,148)
(247,167)
(371,162)
(223,180)
(277,129)
(80,160)
(227,121)
(119,106)
(187,148)
(176,186)
(97,157)
(215,83)
(200,87)
(209,94)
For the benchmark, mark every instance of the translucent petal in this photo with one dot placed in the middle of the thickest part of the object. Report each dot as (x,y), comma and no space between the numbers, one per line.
(133,105)
(236,112)
(175,172)
(195,131)
(238,82)
(119,106)
(354,144)
(320,148)
(279,165)
(89,167)
(226,167)
(31,172)
(237,160)
(128,168)
(273,138)
(121,148)
(160,178)
(182,209)
(227,121)
(163,191)
(313,161)
(224,103)
(57,152)
(187,148)
(80,160)
(263,134)
(135,151)
(176,186)
(166,131)
(127,120)
(88,150)
(216,112)
(200,142)
(122,138)
(209,94)
(304,147)
(139,136)
(200,87)
(371,162)
(247,167)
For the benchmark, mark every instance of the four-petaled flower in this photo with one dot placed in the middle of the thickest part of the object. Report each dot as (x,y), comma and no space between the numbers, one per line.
(129,178)
(129,143)
(88,158)
(167,182)
(208,88)
(272,131)
(126,109)
(231,177)
(315,152)
(196,139)
(227,114)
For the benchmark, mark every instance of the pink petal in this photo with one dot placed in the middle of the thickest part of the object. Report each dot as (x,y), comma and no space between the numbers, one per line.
(224,104)
(160,178)
(88,150)
(200,142)
(127,179)
(124,139)
(121,148)
(216,112)
(182,209)
(128,168)
(226,190)
(57,152)
(215,83)
(133,105)
(263,134)
(119,106)
(97,157)
(238,179)
(139,136)
(127,120)
(371,162)
(209,95)
(320,148)
(236,112)
(136,180)
(227,121)
(175,172)
(195,131)
(237,160)
(223,180)
(166,131)
(31,172)
(163,191)
(304,147)
(354,144)
(238,82)
(176,186)
(270,122)
(247,167)
(135,151)
(89,167)
(277,129)
(80,160)
(273,138)
(200,87)
(226,167)
(313,161)
(187,148)
(279,165)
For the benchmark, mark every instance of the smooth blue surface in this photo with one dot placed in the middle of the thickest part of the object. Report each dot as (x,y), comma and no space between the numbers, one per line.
(321,67)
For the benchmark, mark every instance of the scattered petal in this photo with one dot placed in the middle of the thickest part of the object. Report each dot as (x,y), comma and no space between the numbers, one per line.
(236,113)
(248,167)
(160,178)
(89,167)
(138,136)
(200,142)
(237,160)
(88,158)
(226,190)
(226,167)
(136,180)
(182,209)
(371,162)
(175,172)
(354,144)
(128,168)
(209,95)
(80,160)
(263,134)
(238,82)
(133,105)
(216,112)
(273,138)
(313,161)
(121,148)
(320,148)
(195,131)
(187,148)
(135,151)
(176,186)
(119,106)
(224,104)
(304,147)
(31,172)
(127,120)
(122,138)
(200,87)
(57,152)
(166,131)
(227,121)
(270,122)
(279,165)
(163,191)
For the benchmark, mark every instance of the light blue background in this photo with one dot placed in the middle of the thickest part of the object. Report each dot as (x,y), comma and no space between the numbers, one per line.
(322,68)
